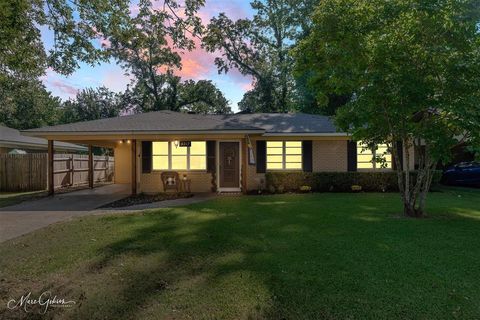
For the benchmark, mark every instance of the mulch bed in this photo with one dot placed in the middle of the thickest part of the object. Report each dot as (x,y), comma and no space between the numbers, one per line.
(147,198)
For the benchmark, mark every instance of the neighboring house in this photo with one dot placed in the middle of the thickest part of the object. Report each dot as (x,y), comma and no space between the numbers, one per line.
(216,152)
(11,141)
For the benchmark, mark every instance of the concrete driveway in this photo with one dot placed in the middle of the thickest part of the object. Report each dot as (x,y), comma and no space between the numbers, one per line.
(28,216)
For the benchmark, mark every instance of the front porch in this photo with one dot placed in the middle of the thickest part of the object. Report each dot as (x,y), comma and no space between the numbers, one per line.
(211,164)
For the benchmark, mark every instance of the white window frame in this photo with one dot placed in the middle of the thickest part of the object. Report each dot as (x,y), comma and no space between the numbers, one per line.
(169,157)
(284,155)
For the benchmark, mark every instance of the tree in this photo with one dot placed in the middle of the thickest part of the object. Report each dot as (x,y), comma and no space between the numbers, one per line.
(26,104)
(188,96)
(76,25)
(149,51)
(201,97)
(144,52)
(414,70)
(260,48)
(92,104)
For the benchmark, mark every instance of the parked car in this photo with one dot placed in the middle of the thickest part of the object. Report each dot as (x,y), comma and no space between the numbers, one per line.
(463,174)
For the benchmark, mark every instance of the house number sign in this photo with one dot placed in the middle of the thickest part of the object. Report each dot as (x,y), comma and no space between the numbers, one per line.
(185,143)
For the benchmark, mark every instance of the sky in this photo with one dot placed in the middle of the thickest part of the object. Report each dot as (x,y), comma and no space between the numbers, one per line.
(197,64)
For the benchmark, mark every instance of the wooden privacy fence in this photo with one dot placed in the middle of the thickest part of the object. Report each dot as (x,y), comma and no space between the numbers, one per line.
(28,172)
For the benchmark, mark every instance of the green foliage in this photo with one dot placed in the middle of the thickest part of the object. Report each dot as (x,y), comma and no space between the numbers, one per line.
(337,181)
(76,25)
(201,97)
(92,104)
(172,94)
(21,48)
(413,68)
(260,48)
(26,104)
(149,52)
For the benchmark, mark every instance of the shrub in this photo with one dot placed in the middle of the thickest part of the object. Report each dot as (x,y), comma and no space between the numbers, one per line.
(305,189)
(356,188)
(337,181)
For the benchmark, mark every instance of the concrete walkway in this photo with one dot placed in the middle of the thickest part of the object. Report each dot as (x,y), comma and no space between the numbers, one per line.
(28,216)
(32,215)
(198,197)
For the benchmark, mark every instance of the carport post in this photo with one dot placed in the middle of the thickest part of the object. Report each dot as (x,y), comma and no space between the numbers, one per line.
(134,166)
(90,166)
(50,185)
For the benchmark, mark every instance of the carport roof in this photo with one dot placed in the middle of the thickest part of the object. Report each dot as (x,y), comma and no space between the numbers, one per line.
(12,138)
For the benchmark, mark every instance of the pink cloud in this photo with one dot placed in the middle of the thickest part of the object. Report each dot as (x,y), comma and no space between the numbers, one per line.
(198,63)
(247,86)
(105,43)
(116,80)
(63,87)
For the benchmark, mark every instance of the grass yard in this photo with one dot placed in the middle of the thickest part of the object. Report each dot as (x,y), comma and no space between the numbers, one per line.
(314,256)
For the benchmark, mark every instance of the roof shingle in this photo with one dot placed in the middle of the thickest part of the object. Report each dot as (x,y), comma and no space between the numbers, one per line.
(165,121)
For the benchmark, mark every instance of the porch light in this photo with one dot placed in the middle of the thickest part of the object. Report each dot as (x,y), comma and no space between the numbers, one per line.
(128,141)
(176,143)
(120,141)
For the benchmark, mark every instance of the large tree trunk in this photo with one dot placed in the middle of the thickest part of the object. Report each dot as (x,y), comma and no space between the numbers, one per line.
(414,195)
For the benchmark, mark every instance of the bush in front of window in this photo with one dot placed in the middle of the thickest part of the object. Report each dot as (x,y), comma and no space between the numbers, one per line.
(337,181)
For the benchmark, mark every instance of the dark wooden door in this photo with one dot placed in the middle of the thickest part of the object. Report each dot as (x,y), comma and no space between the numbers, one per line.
(229,165)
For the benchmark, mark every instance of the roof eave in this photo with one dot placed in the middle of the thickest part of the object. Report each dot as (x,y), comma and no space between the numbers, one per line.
(136,132)
(306,134)
(39,146)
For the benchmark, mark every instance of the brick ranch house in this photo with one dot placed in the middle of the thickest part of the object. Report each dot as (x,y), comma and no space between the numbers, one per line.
(224,153)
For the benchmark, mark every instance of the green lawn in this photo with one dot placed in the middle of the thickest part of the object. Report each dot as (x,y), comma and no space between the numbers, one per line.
(318,256)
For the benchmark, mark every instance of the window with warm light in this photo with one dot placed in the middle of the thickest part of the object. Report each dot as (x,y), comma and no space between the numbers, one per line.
(169,156)
(284,155)
(366,157)
(160,152)
(198,155)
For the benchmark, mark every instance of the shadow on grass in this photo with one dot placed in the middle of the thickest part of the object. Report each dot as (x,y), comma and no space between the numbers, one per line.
(284,257)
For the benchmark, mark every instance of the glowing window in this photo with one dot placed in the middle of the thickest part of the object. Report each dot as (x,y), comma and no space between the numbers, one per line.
(167,156)
(160,155)
(179,157)
(198,155)
(366,157)
(284,155)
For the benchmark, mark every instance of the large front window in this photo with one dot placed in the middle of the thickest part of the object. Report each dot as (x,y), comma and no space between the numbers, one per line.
(284,155)
(366,157)
(168,156)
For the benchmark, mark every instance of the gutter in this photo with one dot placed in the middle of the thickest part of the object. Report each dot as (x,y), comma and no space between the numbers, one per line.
(133,133)
(307,134)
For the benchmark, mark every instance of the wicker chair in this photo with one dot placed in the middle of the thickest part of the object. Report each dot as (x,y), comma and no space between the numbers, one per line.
(171,181)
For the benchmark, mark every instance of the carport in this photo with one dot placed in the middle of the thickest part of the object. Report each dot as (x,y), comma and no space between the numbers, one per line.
(123,151)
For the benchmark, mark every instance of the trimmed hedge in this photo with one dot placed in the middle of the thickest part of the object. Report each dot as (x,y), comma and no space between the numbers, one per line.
(278,182)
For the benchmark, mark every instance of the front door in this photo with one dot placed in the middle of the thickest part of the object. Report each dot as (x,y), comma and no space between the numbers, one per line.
(229,165)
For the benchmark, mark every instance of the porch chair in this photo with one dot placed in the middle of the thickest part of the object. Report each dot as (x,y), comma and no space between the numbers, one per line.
(171,181)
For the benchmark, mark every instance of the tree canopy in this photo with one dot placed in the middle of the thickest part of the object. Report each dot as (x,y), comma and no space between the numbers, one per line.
(26,104)
(260,48)
(413,68)
(92,104)
(76,28)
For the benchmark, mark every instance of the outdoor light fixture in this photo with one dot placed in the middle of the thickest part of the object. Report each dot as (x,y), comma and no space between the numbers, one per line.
(128,141)
(120,141)
(176,143)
